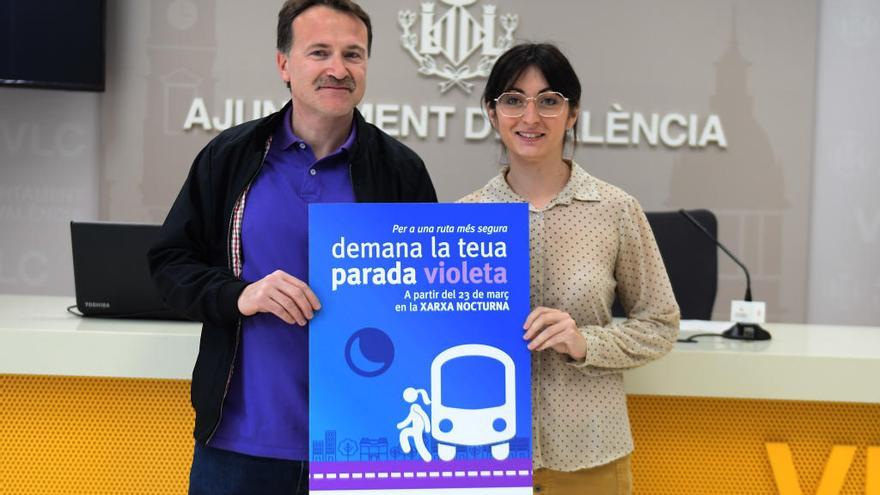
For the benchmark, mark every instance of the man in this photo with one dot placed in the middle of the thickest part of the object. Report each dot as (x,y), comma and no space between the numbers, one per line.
(233,250)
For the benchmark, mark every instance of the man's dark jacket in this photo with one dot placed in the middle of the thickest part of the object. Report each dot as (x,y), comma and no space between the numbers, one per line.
(191,263)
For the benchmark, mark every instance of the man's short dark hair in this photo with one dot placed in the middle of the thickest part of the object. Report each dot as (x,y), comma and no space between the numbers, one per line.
(292,8)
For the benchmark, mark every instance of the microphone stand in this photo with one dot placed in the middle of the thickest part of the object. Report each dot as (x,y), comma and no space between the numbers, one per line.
(739,331)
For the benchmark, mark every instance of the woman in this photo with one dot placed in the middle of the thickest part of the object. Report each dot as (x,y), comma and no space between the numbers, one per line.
(589,242)
(416,423)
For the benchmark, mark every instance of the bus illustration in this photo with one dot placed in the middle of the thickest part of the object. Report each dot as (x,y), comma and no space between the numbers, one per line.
(473,400)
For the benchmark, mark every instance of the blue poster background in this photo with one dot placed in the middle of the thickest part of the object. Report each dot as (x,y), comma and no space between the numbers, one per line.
(370,342)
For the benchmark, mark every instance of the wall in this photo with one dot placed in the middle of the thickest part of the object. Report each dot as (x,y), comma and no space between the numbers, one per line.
(49,151)
(757,78)
(845,235)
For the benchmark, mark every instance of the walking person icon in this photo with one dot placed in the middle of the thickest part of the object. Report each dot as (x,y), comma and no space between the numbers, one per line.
(416,424)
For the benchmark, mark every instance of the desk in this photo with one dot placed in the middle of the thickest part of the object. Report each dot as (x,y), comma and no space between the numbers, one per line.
(102,406)
(800,362)
(38,337)
(93,406)
(703,415)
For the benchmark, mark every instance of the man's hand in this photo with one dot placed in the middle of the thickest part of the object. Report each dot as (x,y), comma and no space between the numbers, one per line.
(548,328)
(281,294)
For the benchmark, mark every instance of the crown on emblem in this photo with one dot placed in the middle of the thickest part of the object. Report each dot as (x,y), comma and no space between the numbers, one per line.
(456,35)
(458,3)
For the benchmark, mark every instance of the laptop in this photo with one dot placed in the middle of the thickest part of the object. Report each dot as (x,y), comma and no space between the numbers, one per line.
(110,271)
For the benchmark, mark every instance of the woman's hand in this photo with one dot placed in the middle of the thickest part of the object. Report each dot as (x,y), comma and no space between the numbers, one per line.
(548,328)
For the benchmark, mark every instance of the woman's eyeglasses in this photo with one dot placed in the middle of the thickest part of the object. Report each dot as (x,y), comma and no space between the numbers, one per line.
(512,104)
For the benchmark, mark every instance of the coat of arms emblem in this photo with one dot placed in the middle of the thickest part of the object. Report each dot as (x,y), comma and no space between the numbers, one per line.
(457,36)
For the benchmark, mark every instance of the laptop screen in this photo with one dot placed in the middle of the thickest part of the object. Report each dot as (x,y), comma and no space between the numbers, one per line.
(110,270)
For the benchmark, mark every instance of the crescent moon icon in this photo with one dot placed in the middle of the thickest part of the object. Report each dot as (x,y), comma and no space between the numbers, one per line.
(359,362)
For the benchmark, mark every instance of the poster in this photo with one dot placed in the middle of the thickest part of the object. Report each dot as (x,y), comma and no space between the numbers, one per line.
(419,375)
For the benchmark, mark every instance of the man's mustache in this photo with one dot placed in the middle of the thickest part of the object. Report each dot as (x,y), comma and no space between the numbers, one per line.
(347,82)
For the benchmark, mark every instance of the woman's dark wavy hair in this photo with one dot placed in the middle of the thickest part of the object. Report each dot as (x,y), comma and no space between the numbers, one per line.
(547,58)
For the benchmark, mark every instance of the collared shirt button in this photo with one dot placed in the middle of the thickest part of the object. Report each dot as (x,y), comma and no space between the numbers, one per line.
(313,171)
(302,146)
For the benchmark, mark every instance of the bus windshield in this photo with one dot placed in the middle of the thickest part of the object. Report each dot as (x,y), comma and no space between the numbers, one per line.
(473,382)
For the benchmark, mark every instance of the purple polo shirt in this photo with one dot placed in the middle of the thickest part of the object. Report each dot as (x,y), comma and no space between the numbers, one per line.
(266,412)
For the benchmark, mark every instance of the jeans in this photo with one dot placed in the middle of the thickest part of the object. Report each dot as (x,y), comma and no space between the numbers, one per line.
(221,472)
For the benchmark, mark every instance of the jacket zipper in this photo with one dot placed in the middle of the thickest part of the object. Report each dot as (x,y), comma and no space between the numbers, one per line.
(229,264)
(351,180)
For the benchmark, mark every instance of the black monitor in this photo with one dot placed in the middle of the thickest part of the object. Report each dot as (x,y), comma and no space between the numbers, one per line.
(52,44)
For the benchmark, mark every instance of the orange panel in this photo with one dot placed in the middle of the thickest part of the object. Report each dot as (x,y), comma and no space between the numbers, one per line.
(72,435)
(693,445)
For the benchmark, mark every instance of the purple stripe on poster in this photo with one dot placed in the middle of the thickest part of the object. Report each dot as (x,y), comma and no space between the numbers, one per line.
(386,475)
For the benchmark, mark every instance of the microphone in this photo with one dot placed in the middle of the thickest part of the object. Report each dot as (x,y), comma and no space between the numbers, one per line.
(739,331)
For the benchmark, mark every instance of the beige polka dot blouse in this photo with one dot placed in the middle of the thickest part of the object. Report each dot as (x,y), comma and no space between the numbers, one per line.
(587,244)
